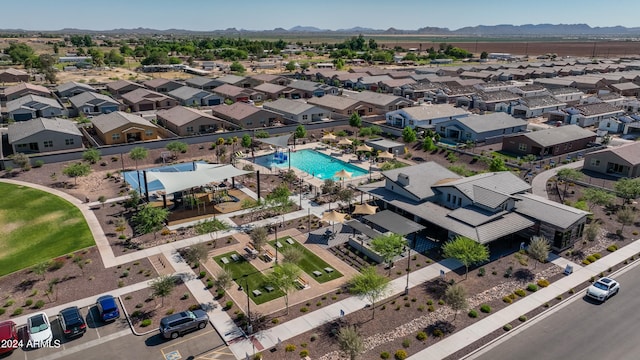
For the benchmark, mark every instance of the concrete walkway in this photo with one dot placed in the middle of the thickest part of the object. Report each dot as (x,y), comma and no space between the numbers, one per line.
(539,182)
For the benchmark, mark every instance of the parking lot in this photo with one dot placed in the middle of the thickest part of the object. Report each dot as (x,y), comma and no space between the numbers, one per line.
(116,340)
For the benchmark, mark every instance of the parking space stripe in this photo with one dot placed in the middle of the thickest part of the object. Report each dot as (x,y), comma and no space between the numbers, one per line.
(87,345)
(95,324)
(174,343)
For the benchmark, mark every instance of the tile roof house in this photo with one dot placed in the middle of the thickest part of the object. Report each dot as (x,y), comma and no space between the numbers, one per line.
(33,106)
(204,83)
(380,103)
(341,106)
(295,111)
(549,142)
(91,103)
(161,85)
(73,88)
(120,87)
(12,75)
(424,116)
(17,91)
(121,128)
(237,94)
(623,161)
(144,100)
(246,115)
(479,128)
(185,121)
(190,96)
(270,91)
(302,89)
(591,114)
(535,106)
(493,100)
(231,79)
(271,79)
(486,207)
(44,135)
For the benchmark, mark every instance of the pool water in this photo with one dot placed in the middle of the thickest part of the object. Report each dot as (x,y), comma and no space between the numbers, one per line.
(131,177)
(312,162)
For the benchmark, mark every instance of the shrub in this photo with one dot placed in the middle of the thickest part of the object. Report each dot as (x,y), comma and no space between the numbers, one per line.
(228,305)
(485,308)
(406,343)
(512,296)
(145,322)
(400,355)
(591,258)
(543,283)
(559,297)
(9,302)
(612,248)
(546,305)
(429,302)
(473,314)
(522,318)
(421,308)
(438,333)
(572,291)
(194,307)
(313,337)
(209,284)
(185,296)
(508,272)
(532,287)
(520,293)
(440,302)
(422,336)
(38,163)
(507,327)
(170,311)
(17,312)
(304,309)
(139,305)
(597,255)
(431,308)
(2,311)
(481,271)
(507,300)
(304,353)
(290,348)
(202,274)
(385,355)
(586,262)
(39,304)
(56,264)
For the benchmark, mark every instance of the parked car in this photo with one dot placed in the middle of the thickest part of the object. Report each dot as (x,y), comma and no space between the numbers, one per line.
(175,325)
(71,322)
(603,289)
(107,308)
(39,329)
(9,340)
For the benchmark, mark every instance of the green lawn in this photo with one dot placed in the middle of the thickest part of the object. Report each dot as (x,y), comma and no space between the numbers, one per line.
(242,271)
(311,262)
(36,226)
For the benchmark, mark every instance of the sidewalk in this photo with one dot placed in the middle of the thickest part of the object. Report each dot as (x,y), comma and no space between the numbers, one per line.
(539,182)
(477,331)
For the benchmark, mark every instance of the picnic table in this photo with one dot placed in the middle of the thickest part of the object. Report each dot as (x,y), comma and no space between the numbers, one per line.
(278,244)
(235,257)
(317,273)
(256,292)
(269,288)
(290,241)
(328,269)
(224,260)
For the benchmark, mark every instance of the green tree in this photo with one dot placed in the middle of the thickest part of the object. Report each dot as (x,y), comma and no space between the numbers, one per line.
(484,55)
(592,231)
(291,66)
(22,161)
(465,250)
(237,67)
(625,216)
(284,277)
(245,142)
(350,341)
(77,170)
(600,197)
(291,254)
(539,249)
(300,132)
(258,237)
(456,297)
(427,144)
(355,121)
(370,285)
(45,64)
(196,254)
(177,147)
(224,279)
(163,286)
(211,227)
(530,158)
(91,155)
(138,153)
(40,268)
(567,175)
(389,246)
(497,164)
(19,52)
(408,134)
(150,219)
(627,189)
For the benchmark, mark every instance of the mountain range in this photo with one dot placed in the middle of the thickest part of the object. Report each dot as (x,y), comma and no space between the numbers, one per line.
(505,30)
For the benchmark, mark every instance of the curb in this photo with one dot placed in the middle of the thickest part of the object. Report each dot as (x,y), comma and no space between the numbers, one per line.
(126,315)
(504,337)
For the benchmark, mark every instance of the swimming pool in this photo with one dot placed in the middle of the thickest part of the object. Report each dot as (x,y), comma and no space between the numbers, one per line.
(131,177)
(312,162)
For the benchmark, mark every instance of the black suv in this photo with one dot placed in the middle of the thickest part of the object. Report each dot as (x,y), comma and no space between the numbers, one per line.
(175,325)
(71,322)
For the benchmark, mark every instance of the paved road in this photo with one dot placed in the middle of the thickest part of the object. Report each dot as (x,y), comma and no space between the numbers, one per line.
(582,330)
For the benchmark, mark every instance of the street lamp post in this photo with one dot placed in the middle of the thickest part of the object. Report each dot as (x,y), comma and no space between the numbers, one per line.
(275,226)
(249,327)
(406,289)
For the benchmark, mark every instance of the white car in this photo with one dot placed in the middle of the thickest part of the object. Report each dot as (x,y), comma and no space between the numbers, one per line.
(603,289)
(39,330)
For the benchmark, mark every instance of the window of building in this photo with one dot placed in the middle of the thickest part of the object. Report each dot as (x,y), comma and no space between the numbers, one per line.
(149,133)
(189,129)
(522,147)
(371,110)
(448,197)
(390,108)
(115,137)
(595,162)
(349,112)
(249,123)
(68,141)
(459,201)
(442,129)
(305,117)
(48,143)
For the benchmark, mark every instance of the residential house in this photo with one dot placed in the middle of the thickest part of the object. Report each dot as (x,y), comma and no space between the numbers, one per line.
(271,79)
(591,114)
(17,91)
(12,75)
(530,90)
(145,100)
(91,103)
(237,94)
(185,121)
(270,91)
(341,106)
(626,89)
(535,106)
(162,86)
(493,100)
(121,87)
(568,95)
(478,128)
(417,91)
(32,106)
(246,115)
(44,135)
(295,111)
(380,104)
(623,161)
(120,128)
(302,89)
(614,125)
(487,208)
(239,81)
(190,96)
(394,86)
(72,88)
(386,145)
(549,142)
(370,83)
(203,83)
(425,116)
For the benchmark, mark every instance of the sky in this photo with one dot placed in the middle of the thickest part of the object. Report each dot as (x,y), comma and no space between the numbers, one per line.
(203,15)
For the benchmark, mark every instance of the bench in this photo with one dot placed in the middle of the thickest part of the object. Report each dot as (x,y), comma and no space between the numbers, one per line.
(290,241)
(251,251)
(256,292)
(269,288)
(302,283)
(317,273)
(224,260)
(328,269)
(235,257)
